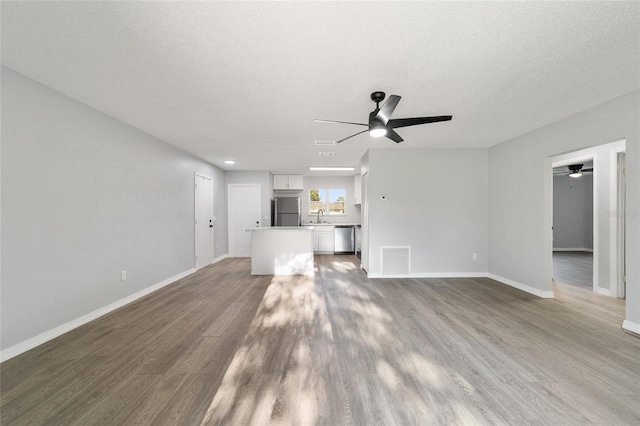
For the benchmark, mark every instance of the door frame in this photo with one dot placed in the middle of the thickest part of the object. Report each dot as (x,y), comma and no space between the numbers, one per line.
(617,208)
(195,227)
(594,205)
(605,210)
(229,221)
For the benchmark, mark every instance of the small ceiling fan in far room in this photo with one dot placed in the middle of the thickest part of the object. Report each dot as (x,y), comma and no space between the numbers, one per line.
(380,122)
(573,170)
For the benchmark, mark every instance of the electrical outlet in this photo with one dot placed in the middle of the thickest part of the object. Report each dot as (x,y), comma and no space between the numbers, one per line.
(475,256)
(123,275)
(216,245)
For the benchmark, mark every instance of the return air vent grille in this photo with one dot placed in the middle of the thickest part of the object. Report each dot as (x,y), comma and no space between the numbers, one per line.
(326,154)
(396,261)
(325,143)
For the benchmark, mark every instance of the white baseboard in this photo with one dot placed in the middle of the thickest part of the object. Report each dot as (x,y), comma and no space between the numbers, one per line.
(64,328)
(603,291)
(218,259)
(379,275)
(590,250)
(449,275)
(432,275)
(537,292)
(631,326)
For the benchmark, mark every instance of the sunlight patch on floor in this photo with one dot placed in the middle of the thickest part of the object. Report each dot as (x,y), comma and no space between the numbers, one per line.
(286,369)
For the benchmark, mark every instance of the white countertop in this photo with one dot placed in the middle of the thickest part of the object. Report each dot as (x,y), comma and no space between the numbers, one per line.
(331,224)
(298,228)
(280,228)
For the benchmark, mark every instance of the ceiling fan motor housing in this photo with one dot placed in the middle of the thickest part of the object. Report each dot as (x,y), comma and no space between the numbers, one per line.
(377,96)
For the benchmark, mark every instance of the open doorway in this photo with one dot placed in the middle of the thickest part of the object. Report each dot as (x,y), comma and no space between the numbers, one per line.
(573,224)
(605,193)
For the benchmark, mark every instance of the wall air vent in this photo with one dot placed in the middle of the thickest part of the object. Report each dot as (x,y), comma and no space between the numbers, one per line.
(325,143)
(326,154)
(396,261)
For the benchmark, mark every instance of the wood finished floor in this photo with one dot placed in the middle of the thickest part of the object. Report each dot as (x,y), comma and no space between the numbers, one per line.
(573,267)
(222,347)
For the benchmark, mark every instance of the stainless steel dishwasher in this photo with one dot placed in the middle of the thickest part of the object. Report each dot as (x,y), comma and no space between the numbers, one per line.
(344,239)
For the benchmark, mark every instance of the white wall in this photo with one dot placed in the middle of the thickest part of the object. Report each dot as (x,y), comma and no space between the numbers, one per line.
(436,202)
(220,212)
(573,212)
(84,197)
(520,212)
(352,212)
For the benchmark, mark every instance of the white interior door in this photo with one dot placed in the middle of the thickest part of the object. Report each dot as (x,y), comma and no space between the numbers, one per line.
(203,220)
(244,213)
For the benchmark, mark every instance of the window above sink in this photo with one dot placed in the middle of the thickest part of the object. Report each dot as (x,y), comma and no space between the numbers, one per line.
(332,202)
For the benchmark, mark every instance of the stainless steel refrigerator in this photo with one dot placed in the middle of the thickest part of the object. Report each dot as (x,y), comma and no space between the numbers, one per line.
(287,211)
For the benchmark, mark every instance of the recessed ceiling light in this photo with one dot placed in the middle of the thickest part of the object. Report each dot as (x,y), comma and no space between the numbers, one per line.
(331,168)
(229,162)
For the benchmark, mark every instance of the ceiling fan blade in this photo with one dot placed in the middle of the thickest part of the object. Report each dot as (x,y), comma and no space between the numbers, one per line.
(391,134)
(349,137)
(340,122)
(384,114)
(588,170)
(404,122)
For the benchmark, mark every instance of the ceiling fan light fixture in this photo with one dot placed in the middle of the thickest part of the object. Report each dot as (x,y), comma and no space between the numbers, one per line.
(575,174)
(378,131)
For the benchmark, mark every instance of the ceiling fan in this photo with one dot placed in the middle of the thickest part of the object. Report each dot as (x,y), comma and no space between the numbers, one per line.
(380,122)
(574,170)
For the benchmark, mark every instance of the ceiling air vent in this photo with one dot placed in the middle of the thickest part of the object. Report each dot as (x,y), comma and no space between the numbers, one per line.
(325,143)
(396,261)
(326,154)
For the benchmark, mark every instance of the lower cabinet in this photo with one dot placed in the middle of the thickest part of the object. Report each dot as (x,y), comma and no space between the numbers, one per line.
(323,240)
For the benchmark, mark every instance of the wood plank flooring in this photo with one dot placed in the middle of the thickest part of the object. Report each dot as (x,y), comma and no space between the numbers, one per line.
(573,267)
(223,347)
(158,360)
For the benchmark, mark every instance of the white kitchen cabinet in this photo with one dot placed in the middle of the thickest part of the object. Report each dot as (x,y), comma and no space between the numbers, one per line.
(357,189)
(287,182)
(295,182)
(323,239)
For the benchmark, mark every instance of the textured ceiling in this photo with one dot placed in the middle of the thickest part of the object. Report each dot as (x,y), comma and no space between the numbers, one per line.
(244,80)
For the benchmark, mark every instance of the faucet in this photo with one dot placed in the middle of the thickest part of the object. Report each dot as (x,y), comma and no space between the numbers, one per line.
(320,211)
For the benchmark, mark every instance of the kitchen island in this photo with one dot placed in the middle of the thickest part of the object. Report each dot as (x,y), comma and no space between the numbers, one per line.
(282,250)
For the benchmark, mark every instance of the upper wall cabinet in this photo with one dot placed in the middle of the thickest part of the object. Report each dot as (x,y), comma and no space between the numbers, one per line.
(357,189)
(287,182)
